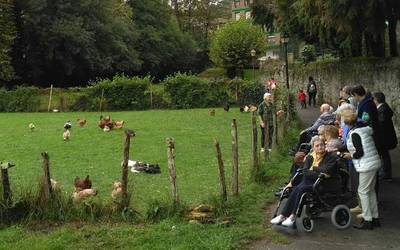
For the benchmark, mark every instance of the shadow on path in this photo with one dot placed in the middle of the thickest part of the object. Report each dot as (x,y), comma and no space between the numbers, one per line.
(326,236)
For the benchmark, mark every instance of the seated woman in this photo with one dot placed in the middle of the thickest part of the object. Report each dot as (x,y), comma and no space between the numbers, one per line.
(316,163)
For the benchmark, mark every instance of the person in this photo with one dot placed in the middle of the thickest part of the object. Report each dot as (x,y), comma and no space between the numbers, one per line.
(366,161)
(332,141)
(302,99)
(316,163)
(266,111)
(345,94)
(385,114)
(326,118)
(311,91)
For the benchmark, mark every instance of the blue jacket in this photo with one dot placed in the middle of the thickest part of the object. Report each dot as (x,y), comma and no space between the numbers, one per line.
(367,113)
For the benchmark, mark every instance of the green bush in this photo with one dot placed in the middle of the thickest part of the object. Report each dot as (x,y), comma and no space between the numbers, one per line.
(251,93)
(190,91)
(122,92)
(308,53)
(23,99)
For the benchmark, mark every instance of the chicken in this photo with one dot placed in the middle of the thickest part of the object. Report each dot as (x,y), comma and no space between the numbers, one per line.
(252,108)
(79,195)
(226,107)
(119,124)
(105,121)
(81,122)
(31,126)
(55,186)
(66,135)
(211,112)
(82,184)
(68,125)
(116,193)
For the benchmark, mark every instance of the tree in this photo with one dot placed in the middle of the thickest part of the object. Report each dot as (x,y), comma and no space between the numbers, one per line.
(231,45)
(163,47)
(262,12)
(69,42)
(7,36)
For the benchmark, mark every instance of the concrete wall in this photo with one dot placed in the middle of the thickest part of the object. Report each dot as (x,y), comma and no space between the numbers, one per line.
(373,74)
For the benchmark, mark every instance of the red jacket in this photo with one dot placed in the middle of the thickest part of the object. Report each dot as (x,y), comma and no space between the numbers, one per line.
(302,97)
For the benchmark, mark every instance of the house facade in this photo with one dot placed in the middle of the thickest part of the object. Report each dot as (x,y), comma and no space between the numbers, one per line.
(241,9)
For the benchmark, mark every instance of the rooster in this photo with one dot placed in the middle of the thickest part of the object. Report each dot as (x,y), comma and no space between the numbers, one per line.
(66,135)
(82,184)
(105,121)
(226,107)
(118,124)
(81,122)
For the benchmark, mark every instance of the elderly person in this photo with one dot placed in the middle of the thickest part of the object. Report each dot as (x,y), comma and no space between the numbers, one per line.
(317,163)
(266,112)
(326,118)
(332,141)
(366,161)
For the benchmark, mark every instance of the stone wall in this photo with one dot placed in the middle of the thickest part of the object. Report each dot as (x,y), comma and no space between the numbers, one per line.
(373,74)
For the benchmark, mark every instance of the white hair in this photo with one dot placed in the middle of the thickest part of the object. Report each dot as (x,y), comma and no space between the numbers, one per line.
(267,94)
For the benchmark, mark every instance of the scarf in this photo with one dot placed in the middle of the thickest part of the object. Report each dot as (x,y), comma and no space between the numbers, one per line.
(317,158)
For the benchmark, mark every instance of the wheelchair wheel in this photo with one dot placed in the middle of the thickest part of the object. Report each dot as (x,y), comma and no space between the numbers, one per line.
(304,223)
(341,217)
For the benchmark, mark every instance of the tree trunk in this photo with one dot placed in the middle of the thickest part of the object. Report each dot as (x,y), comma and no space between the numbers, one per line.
(356,44)
(393,36)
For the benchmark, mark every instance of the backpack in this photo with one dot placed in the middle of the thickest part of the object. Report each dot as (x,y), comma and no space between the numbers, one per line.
(312,88)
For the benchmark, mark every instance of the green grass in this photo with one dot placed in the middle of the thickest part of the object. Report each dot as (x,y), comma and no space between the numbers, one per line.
(94,152)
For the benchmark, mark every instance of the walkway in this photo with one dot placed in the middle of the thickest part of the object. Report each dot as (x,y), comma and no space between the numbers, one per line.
(325,236)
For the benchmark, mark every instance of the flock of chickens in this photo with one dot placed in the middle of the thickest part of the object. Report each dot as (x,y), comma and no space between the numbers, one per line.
(245,109)
(105,123)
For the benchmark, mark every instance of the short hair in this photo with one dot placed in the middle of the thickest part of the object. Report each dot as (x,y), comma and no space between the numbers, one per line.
(315,139)
(379,97)
(267,94)
(349,116)
(358,90)
(326,107)
(332,131)
(310,78)
(347,89)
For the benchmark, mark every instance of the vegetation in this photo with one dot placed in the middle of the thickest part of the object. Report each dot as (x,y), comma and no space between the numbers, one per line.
(350,28)
(7,36)
(232,44)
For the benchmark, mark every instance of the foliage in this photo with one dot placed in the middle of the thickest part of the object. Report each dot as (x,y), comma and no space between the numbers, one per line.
(190,91)
(308,53)
(73,41)
(263,14)
(7,36)
(122,93)
(231,44)
(22,99)
(163,48)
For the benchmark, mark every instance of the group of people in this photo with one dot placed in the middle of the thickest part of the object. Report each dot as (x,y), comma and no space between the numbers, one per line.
(360,131)
(311,93)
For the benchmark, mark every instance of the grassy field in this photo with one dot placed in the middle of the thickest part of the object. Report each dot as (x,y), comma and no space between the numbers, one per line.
(99,154)
(93,152)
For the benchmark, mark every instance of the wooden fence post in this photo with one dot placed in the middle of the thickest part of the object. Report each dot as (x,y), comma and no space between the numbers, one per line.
(254,149)
(46,178)
(172,169)
(7,194)
(51,94)
(235,161)
(125,199)
(266,138)
(101,100)
(276,140)
(221,171)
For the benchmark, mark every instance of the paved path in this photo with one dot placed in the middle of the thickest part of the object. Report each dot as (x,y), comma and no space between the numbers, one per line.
(325,236)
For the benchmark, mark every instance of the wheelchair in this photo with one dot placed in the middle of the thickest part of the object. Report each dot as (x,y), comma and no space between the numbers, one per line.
(328,195)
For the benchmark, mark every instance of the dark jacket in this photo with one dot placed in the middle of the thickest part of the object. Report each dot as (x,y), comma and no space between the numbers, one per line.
(326,118)
(368,114)
(385,114)
(328,165)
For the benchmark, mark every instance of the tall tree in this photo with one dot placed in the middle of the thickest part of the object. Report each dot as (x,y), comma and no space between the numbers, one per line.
(7,36)
(69,42)
(231,45)
(163,47)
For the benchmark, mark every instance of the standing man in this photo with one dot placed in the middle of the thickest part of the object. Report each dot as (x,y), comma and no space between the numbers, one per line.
(311,91)
(385,114)
(266,111)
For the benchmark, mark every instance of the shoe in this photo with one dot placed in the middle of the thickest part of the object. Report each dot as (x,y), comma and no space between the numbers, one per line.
(356,210)
(262,150)
(278,220)
(269,150)
(288,222)
(364,225)
(376,222)
(359,216)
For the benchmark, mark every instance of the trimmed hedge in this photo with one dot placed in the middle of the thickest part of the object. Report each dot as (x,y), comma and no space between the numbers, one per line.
(135,93)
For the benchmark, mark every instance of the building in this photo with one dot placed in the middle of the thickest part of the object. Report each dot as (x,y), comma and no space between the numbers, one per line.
(241,9)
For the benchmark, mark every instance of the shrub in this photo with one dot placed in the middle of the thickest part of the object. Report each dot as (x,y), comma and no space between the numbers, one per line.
(190,91)
(123,93)
(308,53)
(24,99)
